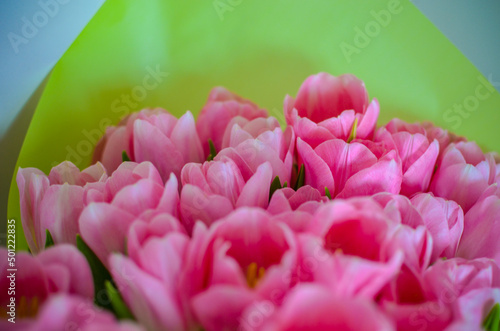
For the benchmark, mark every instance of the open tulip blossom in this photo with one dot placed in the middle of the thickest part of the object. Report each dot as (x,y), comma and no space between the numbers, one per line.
(235,222)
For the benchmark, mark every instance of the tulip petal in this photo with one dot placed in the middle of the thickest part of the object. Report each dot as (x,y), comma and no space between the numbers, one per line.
(318,174)
(255,193)
(104,228)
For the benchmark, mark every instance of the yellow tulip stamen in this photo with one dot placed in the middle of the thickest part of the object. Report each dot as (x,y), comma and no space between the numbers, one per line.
(254,274)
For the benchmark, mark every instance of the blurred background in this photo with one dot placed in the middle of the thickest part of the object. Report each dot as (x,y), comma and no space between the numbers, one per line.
(35,34)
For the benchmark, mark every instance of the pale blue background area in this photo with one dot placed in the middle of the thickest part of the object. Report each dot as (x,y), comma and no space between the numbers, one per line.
(473,26)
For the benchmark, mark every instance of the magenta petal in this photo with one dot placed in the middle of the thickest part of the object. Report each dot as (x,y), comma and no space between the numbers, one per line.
(482,230)
(354,276)
(141,231)
(384,176)
(60,208)
(255,193)
(65,172)
(61,312)
(279,203)
(310,132)
(150,144)
(138,197)
(149,300)
(462,183)
(340,127)
(185,138)
(220,307)
(169,201)
(345,159)
(310,307)
(70,259)
(104,228)
(116,143)
(196,205)
(368,122)
(317,172)
(418,176)
(163,257)
(32,184)
(445,221)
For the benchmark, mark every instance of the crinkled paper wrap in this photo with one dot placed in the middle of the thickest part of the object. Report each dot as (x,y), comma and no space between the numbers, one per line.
(136,54)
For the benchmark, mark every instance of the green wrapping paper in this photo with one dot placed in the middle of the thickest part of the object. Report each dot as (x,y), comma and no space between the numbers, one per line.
(169,54)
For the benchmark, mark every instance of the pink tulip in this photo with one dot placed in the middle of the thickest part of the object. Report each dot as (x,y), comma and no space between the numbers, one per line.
(327,107)
(463,174)
(54,202)
(345,275)
(59,269)
(447,280)
(248,152)
(482,230)
(472,309)
(68,312)
(443,136)
(313,307)
(427,300)
(242,258)
(221,108)
(418,157)
(358,234)
(148,282)
(241,128)
(306,199)
(295,208)
(427,315)
(152,135)
(350,169)
(134,191)
(213,189)
(411,307)
(444,219)
(141,231)
(399,208)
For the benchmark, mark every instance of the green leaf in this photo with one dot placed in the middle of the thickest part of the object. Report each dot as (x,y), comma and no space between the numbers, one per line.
(275,185)
(99,273)
(125,157)
(120,308)
(327,193)
(213,151)
(492,321)
(353,131)
(49,241)
(300,178)
(285,185)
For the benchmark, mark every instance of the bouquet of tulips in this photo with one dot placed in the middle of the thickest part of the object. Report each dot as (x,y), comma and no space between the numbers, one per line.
(232,222)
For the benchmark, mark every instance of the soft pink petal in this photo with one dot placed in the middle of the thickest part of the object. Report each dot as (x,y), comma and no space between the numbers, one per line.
(255,193)
(317,172)
(104,228)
